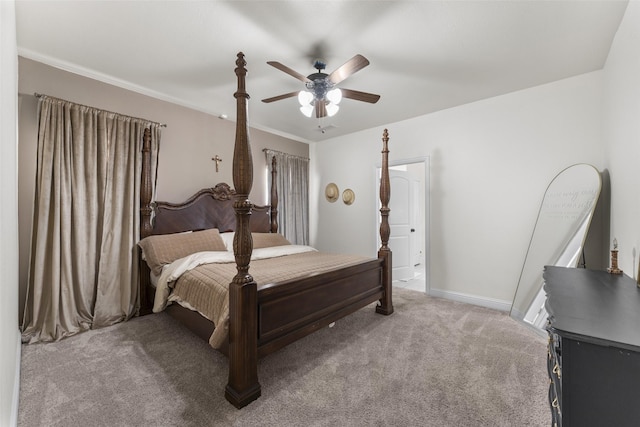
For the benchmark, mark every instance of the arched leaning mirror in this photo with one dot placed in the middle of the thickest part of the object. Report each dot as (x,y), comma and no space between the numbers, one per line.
(558,237)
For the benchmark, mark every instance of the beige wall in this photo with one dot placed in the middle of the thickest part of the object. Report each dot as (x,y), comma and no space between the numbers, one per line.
(188,143)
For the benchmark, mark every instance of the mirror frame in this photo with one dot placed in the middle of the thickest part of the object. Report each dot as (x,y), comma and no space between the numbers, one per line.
(568,249)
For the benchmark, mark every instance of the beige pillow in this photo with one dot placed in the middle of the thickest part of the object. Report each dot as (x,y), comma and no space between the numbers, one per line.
(260,240)
(267,240)
(162,249)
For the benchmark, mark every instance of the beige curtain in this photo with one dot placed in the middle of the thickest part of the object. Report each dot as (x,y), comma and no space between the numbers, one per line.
(84,268)
(293,195)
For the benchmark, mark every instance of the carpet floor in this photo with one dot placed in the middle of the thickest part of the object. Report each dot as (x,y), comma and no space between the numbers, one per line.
(433,362)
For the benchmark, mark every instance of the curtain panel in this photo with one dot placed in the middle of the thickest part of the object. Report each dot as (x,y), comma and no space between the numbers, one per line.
(293,195)
(84,261)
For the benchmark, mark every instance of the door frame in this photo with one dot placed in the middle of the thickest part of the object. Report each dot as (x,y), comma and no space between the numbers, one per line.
(426,210)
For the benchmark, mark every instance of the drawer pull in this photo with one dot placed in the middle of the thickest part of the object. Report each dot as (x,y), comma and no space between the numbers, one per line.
(556,370)
(554,404)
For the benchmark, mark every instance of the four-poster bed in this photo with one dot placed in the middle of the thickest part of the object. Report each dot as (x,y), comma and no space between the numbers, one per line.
(265,314)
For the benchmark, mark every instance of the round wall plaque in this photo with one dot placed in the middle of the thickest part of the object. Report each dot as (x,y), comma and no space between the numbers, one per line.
(331,192)
(348,196)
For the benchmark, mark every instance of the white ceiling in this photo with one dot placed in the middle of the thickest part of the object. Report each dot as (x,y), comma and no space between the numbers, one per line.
(425,55)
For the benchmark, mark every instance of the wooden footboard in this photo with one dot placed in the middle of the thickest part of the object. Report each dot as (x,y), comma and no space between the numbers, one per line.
(290,310)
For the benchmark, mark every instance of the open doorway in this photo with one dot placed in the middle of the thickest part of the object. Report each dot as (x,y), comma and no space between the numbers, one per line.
(409,222)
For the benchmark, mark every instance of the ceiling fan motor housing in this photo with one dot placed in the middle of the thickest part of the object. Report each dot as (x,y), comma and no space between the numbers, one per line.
(319,85)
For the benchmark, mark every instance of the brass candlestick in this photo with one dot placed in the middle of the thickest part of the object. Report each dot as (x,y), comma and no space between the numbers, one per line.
(614,259)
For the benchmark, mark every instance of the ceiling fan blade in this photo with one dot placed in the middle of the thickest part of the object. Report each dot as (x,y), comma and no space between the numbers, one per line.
(360,96)
(289,71)
(321,108)
(356,63)
(279,97)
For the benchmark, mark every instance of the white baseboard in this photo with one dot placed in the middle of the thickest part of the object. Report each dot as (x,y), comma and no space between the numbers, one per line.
(13,421)
(493,303)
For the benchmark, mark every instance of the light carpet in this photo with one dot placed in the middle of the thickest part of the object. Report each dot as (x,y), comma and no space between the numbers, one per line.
(433,362)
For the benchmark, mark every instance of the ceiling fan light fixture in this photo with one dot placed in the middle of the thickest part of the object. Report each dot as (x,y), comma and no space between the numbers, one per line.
(306,109)
(305,98)
(334,96)
(320,94)
(332,109)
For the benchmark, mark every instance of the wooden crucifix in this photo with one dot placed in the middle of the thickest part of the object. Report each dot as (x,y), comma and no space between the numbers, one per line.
(217,159)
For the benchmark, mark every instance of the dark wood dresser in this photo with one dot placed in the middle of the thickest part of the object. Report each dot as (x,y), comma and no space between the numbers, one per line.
(594,347)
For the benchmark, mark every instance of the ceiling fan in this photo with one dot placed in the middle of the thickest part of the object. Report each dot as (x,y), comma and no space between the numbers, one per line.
(321,93)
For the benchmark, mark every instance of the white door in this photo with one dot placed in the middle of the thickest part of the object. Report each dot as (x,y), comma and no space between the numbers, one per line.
(402,238)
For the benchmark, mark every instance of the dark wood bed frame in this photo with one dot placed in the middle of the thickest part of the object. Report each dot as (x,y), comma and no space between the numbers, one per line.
(265,318)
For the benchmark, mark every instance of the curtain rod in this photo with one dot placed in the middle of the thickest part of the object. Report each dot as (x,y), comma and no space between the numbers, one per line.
(285,154)
(40,95)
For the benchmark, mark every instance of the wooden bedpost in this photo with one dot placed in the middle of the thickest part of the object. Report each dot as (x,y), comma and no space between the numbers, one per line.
(274,196)
(243,386)
(145,221)
(385,305)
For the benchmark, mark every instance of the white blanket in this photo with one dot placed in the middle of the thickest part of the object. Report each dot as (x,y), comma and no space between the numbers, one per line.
(172,272)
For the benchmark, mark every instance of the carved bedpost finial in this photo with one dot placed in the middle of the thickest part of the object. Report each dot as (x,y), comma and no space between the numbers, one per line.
(385,193)
(241,72)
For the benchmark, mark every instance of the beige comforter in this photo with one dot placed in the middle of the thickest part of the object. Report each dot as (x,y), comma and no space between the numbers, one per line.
(201,281)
